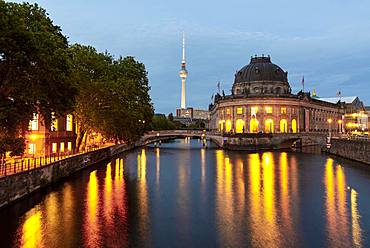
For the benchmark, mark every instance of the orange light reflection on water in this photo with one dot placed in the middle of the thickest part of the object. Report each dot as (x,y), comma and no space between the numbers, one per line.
(32,230)
(91,225)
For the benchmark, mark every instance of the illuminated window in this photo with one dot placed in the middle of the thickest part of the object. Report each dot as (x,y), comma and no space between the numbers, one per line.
(283,110)
(239,126)
(34,123)
(221,123)
(61,146)
(268,110)
(254,110)
(69,146)
(69,123)
(253,125)
(294,126)
(239,110)
(269,126)
(228,111)
(228,126)
(31,149)
(54,122)
(54,147)
(283,126)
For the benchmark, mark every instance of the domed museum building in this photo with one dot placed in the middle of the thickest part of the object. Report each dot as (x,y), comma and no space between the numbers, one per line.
(262,101)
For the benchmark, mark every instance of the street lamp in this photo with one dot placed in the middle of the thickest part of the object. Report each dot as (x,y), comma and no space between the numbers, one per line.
(340,126)
(330,120)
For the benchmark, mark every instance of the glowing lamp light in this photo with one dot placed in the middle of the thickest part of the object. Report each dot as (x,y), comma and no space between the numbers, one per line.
(339,121)
(34,137)
(330,120)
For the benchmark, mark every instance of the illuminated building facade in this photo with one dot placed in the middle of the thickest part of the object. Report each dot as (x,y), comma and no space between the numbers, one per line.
(355,116)
(261,101)
(59,138)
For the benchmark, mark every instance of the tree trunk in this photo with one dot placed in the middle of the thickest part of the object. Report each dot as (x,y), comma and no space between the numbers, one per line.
(79,139)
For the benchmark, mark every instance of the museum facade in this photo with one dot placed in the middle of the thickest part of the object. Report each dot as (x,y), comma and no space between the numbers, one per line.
(262,101)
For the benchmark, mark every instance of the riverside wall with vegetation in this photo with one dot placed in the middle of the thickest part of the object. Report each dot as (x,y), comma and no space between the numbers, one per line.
(358,150)
(14,187)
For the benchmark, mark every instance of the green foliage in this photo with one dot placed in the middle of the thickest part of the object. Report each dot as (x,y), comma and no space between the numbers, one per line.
(34,68)
(160,122)
(113,95)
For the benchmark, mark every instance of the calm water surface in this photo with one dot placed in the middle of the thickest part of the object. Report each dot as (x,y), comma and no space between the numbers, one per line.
(182,195)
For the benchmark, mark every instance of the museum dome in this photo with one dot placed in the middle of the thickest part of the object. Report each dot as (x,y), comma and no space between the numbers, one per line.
(261,69)
(261,76)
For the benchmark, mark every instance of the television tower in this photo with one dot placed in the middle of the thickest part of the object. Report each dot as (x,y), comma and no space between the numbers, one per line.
(183,74)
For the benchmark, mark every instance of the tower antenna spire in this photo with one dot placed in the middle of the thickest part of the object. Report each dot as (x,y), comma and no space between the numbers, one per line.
(183,47)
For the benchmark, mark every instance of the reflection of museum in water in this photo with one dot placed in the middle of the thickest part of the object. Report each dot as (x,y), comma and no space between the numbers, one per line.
(262,101)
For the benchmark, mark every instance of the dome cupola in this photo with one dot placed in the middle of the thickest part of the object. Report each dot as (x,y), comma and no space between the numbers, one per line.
(261,76)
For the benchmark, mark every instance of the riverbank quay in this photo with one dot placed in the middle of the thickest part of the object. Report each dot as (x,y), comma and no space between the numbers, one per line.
(271,141)
(16,186)
(354,149)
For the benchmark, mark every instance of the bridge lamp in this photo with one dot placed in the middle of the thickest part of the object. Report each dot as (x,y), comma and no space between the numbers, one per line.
(157,134)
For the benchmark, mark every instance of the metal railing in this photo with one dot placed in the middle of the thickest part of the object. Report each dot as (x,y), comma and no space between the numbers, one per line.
(26,164)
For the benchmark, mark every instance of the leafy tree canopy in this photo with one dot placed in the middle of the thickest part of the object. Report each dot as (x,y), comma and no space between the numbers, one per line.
(113,95)
(34,68)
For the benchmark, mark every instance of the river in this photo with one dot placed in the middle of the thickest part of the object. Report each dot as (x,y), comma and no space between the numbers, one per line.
(183,195)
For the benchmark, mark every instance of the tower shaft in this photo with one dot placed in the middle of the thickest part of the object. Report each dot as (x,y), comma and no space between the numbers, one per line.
(183,97)
(183,74)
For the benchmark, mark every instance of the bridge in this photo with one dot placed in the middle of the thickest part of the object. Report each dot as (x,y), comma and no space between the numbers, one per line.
(245,141)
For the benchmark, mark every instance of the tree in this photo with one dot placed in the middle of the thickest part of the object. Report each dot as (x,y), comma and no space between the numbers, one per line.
(113,96)
(91,72)
(34,69)
(131,110)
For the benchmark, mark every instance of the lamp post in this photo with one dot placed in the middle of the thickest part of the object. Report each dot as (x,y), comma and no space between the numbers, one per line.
(340,126)
(330,121)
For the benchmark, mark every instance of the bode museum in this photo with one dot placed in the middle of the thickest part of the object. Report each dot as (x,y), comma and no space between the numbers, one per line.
(262,101)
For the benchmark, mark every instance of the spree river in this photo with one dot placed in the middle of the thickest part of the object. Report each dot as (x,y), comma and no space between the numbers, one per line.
(182,195)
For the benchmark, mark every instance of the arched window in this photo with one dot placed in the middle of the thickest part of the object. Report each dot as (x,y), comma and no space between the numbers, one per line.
(283,126)
(269,126)
(253,125)
(221,125)
(239,126)
(294,126)
(228,126)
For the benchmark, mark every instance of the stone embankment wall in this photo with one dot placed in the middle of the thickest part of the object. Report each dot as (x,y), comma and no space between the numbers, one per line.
(14,187)
(358,150)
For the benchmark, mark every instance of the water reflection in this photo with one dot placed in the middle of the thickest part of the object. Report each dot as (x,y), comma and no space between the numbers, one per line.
(201,198)
(356,229)
(143,220)
(32,230)
(91,225)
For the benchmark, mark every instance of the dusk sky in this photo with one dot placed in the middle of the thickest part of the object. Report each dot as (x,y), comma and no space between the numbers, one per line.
(327,42)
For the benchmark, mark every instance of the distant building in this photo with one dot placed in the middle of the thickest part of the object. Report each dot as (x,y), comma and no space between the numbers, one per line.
(191,116)
(192,113)
(59,137)
(188,115)
(368,117)
(355,116)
